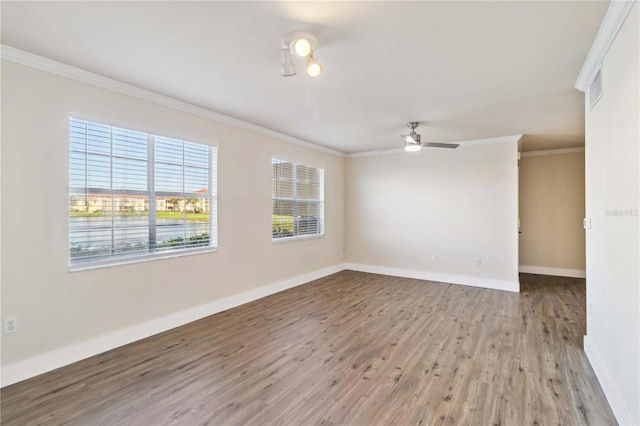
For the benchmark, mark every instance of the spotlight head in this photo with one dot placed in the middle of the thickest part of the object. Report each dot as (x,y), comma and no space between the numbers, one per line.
(314,69)
(302,46)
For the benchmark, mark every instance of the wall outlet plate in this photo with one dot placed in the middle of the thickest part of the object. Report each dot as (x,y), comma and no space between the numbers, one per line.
(10,325)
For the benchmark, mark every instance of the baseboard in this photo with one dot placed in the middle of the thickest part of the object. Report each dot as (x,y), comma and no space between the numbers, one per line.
(608,385)
(439,277)
(557,272)
(31,367)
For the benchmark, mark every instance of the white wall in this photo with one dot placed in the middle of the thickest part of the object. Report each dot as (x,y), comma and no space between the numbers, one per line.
(551,213)
(57,309)
(459,205)
(612,194)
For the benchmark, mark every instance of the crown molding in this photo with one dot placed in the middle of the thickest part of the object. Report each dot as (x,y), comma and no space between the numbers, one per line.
(553,152)
(613,20)
(388,151)
(471,142)
(35,61)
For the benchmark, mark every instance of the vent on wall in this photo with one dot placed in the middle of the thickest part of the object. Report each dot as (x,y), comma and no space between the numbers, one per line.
(595,89)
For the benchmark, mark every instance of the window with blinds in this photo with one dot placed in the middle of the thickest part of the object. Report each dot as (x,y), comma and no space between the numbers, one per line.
(297,200)
(133,194)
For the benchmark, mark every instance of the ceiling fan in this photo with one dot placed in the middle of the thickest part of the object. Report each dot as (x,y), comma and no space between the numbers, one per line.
(412,140)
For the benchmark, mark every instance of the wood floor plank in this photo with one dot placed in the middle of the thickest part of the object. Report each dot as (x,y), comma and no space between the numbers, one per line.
(352,348)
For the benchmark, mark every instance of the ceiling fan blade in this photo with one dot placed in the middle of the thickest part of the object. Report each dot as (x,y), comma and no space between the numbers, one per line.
(440,145)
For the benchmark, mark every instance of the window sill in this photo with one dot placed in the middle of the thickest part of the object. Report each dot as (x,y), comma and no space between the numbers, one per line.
(298,238)
(140,259)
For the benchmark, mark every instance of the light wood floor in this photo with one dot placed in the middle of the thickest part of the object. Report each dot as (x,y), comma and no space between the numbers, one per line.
(351,348)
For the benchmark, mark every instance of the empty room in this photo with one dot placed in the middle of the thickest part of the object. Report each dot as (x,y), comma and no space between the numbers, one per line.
(337,213)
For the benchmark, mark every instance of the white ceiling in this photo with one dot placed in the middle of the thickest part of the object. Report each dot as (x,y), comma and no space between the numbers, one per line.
(467,70)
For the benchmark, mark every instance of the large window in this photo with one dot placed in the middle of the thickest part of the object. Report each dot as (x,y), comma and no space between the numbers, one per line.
(133,194)
(298,200)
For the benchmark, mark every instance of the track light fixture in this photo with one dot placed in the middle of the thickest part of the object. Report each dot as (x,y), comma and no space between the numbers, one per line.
(302,45)
(287,67)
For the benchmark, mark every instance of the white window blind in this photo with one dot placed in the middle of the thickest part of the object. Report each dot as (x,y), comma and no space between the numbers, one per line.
(133,194)
(297,200)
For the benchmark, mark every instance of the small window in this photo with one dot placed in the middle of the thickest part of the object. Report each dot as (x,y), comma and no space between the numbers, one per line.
(134,195)
(297,200)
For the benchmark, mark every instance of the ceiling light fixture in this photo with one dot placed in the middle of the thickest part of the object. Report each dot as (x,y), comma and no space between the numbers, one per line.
(287,67)
(411,145)
(302,45)
(314,69)
(412,140)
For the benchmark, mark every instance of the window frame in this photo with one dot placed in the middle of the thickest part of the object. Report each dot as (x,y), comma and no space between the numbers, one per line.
(152,194)
(321,200)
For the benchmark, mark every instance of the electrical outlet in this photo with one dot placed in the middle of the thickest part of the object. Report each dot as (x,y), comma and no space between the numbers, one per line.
(412,256)
(434,257)
(243,271)
(10,325)
(478,261)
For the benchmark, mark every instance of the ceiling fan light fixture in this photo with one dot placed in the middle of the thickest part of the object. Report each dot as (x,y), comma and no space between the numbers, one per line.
(412,140)
(411,146)
(314,69)
(411,143)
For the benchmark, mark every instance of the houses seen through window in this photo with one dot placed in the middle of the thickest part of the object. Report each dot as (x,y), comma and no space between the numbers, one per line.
(134,194)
